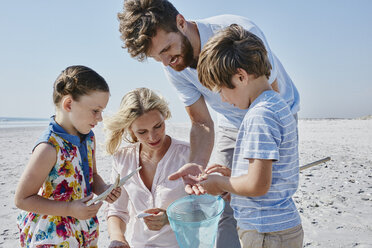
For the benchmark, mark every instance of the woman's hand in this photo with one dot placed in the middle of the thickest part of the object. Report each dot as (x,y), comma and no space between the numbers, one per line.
(157,220)
(119,244)
(81,211)
(114,195)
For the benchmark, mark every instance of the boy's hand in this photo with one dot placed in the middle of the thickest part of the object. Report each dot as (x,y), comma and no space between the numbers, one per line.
(223,170)
(157,220)
(114,195)
(81,211)
(212,184)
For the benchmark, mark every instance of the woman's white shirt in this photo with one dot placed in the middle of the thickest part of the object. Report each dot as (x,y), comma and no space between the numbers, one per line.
(136,197)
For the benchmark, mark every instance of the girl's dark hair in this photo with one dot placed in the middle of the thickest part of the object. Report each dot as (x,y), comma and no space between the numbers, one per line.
(77,81)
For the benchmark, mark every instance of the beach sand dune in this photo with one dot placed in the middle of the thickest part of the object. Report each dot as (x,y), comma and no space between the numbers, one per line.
(334,199)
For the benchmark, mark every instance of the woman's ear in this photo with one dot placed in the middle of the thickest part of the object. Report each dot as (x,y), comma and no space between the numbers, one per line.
(67,103)
(134,138)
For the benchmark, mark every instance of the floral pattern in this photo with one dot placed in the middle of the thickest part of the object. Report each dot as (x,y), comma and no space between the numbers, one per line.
(65,182)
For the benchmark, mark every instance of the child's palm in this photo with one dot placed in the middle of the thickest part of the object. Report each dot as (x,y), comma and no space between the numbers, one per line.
(217,168)
(81,211)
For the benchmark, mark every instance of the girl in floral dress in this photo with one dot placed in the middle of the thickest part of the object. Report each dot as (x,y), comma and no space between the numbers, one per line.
(61,174)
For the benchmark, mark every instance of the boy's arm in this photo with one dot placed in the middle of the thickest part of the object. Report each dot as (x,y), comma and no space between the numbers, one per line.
(256,182)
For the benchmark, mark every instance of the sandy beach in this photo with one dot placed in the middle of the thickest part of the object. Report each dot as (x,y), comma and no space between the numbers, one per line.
(334,199)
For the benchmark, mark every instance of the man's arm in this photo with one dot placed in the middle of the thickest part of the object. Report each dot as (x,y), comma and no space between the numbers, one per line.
(201,144)
(201,134)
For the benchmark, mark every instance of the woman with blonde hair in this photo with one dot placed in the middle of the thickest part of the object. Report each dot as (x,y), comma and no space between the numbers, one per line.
(140,121)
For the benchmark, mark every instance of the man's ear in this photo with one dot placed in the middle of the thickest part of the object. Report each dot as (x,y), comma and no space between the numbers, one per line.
(181,23)
(67,103)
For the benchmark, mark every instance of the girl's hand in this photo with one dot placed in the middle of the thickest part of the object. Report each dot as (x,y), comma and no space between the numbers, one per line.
(81,211)
(119,244)
(158,219)
(114,195)
(223,170)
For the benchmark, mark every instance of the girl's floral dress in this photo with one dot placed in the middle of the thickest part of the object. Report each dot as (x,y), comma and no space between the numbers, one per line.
(65,182)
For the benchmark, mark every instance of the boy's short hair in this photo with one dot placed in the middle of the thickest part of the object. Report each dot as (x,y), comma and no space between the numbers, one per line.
(230,49)
(139,22)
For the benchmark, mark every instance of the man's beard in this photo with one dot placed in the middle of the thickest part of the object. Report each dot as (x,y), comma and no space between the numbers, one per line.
(187,54)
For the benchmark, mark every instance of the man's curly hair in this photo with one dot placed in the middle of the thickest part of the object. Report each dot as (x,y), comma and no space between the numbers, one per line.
(139,22)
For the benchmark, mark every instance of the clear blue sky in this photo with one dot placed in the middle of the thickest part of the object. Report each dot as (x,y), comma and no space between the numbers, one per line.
(326,47)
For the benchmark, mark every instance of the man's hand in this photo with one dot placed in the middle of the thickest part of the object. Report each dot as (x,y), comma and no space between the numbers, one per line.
(190,173)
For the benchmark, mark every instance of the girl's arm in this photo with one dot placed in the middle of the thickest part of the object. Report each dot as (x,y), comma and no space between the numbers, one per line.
(255,183)
(99,186)
(116,228)
(41,162)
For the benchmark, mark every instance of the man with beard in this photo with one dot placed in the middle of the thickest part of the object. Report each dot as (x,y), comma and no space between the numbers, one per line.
(154,28)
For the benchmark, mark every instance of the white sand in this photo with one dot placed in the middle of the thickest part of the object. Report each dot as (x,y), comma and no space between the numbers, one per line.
(335,199)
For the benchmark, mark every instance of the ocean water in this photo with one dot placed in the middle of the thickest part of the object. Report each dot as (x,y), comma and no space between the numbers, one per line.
(10,122)
(176,130)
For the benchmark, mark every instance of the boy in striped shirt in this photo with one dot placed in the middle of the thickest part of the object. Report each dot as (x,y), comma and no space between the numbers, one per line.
(265,168)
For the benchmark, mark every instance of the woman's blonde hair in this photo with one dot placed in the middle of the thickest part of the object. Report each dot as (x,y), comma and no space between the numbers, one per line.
(133,105)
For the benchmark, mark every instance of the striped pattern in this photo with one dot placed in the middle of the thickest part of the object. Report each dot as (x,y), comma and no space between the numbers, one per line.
(268,131)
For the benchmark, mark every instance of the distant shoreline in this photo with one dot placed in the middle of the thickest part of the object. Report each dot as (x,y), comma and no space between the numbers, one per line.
(12,122)
(2,118)
(22,119)
(366,117)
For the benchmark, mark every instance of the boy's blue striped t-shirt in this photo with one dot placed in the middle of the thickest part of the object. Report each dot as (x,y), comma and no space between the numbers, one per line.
(268,131)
